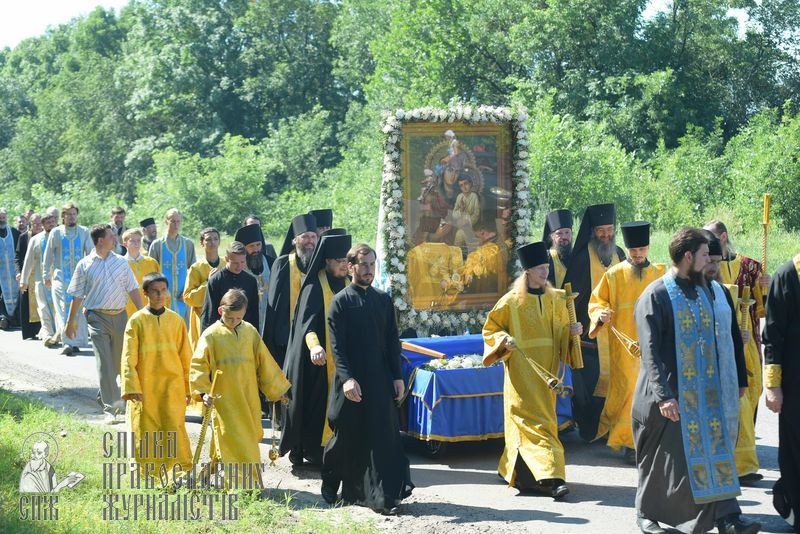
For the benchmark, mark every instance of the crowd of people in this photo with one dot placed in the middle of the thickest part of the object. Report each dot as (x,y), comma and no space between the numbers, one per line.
(668,361)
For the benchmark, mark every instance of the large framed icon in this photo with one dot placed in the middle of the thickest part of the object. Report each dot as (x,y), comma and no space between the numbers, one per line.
(454,205)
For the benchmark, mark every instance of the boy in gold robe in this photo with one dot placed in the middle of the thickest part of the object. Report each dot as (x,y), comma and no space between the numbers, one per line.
(529,329)
(235,347)
(611,310)
(140,265)
(155,378)
(194,294)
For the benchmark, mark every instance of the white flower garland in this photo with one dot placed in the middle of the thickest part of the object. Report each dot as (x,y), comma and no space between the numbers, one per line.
(392,231)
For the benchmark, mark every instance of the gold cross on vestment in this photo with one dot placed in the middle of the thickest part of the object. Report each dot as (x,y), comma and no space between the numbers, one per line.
(686,321)
(693,427)
(715,425)
(689,372)
(710,371)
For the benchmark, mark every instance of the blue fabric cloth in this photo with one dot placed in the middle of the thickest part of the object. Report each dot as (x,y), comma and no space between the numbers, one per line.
(459,404)
(712,471)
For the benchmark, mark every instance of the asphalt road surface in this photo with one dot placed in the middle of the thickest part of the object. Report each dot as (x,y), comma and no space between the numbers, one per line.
(458,492)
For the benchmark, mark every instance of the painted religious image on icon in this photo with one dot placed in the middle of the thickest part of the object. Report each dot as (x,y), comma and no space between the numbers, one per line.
(457,200)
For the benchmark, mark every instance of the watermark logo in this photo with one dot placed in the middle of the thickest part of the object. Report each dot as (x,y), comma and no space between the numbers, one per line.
(39,481)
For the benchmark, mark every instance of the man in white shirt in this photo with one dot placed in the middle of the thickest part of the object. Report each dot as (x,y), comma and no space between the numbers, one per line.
(102,283)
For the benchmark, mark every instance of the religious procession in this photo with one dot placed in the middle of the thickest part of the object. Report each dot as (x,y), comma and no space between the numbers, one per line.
(354,266)
(665,360)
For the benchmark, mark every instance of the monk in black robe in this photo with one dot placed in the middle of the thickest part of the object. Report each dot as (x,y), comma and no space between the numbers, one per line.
(557,236)
(233,276)
(665,492)
(30,329)
(309,362)
(285,280)
(365,453)
(593,253)
(782,383)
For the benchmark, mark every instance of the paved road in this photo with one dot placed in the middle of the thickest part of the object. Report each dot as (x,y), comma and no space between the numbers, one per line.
(459,492)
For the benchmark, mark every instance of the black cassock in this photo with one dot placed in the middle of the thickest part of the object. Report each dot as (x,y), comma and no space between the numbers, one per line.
(218,284)
(305,413)
(29,329)
(586,408)
(366,452)
(277,326)
(782,347)
(664,492)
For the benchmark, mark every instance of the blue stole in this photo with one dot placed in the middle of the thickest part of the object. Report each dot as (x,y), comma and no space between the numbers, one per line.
(71,253)
(8,272)
(48,295)
(174,268)
(723,317)
(709,458)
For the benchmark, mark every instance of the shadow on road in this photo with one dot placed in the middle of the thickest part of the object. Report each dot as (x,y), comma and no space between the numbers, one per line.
(471,514)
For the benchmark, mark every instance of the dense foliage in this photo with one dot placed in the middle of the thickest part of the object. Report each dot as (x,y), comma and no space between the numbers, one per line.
(223,107)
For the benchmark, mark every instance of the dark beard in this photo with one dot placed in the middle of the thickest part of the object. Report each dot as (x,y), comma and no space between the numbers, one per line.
(605,251)
(255,263)
(305,256)
(697,278)
(564,251)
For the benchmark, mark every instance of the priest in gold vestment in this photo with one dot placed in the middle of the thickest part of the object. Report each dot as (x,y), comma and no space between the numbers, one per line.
(529,329)
(611,310)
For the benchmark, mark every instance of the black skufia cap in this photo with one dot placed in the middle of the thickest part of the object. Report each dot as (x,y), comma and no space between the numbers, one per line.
(333,231)
(714,246)
(533,254)
(249,234)
(147,222)
(336,246)
(556,220)
(559,219)
(330,247)
(601,214)
(300,225)
(323,217)
(636,234)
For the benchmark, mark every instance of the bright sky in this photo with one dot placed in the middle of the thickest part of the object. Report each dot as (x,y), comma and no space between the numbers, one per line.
(30,18)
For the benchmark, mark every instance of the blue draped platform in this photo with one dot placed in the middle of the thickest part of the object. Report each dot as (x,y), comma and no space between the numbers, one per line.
(459,404)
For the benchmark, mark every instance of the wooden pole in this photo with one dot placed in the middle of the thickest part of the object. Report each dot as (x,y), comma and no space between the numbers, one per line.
(765,224)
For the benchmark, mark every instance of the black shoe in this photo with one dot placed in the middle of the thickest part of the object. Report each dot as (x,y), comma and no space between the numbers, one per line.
(389,507)
(68,350)
(329,492)
(648,526)
(296,456)
(750,478)
(734,524)
(559,491)
(630,456)
(314,459)
(3,323)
